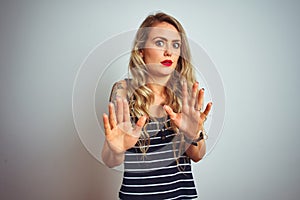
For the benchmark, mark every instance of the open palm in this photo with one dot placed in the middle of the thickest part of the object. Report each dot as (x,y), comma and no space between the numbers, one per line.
(119,131)
(190,120)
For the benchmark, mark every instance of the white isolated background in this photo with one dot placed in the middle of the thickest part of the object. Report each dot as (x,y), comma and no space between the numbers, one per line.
(254,44)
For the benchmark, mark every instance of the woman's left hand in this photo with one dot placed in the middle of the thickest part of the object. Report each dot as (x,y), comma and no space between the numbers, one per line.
(190,120)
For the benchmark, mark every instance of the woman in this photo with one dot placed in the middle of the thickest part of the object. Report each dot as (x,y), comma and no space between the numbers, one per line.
(155,123)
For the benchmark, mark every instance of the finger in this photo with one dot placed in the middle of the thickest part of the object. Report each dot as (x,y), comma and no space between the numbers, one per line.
(139,125)
(170,112)
(126,111)
(107,127)
(119,110)
(184,96)
(206,111)
(112,115)
(194,95)
(208,108)
(200,99)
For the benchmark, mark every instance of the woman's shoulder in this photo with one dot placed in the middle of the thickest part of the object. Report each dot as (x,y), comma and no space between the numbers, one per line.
(121,84)
(119,89)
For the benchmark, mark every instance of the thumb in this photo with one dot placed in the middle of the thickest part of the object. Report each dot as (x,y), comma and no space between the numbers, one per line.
(170,112)
(138,126)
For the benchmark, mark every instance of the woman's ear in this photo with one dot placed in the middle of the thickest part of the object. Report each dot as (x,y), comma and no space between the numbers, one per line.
(141,52)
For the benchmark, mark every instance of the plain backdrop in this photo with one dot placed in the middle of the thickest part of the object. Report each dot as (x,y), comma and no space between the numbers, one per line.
(254,44)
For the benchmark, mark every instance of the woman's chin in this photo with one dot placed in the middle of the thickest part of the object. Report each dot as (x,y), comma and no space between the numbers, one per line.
(160,70)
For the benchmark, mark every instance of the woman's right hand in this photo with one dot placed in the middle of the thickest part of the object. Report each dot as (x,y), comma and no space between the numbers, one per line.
(120,133)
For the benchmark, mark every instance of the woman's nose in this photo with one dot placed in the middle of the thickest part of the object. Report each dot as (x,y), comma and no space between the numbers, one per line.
(168,51)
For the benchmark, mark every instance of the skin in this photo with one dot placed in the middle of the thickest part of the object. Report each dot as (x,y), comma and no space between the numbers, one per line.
(163,43)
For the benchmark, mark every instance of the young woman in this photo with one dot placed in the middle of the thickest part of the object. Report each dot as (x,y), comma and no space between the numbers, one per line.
(155,122)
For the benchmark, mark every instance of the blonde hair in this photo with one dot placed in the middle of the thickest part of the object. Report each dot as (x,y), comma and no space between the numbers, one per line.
(141,96)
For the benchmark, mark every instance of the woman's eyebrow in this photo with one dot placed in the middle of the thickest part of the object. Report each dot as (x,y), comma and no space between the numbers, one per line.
(165,39)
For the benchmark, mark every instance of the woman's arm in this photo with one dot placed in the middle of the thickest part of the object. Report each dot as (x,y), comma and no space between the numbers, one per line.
(191,119)
(196,153)
(120,135)
(110,158)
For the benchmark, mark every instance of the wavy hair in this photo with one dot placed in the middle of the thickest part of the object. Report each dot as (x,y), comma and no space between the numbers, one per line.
(141,96)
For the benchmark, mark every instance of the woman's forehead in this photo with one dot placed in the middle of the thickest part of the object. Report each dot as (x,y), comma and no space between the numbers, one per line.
(164,30)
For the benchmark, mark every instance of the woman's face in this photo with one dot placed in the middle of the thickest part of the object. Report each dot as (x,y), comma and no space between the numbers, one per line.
(162,49)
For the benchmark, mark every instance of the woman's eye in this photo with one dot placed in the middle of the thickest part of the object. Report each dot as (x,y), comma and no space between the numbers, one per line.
(176,45)
(159,43)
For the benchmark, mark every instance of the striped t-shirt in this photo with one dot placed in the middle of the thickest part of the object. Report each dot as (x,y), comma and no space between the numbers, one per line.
(156,174)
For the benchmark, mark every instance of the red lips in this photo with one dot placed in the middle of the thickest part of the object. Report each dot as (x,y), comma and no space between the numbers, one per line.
(167,63)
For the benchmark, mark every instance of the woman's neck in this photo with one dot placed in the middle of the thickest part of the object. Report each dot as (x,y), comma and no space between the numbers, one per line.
(157,89)
(158,85)
(156,107)
(159,92)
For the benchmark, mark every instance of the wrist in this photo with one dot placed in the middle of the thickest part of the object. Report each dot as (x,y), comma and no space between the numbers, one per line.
(199,136)
(116,152)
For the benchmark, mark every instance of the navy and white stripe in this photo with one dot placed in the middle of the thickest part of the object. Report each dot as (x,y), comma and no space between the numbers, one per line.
(156,174)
